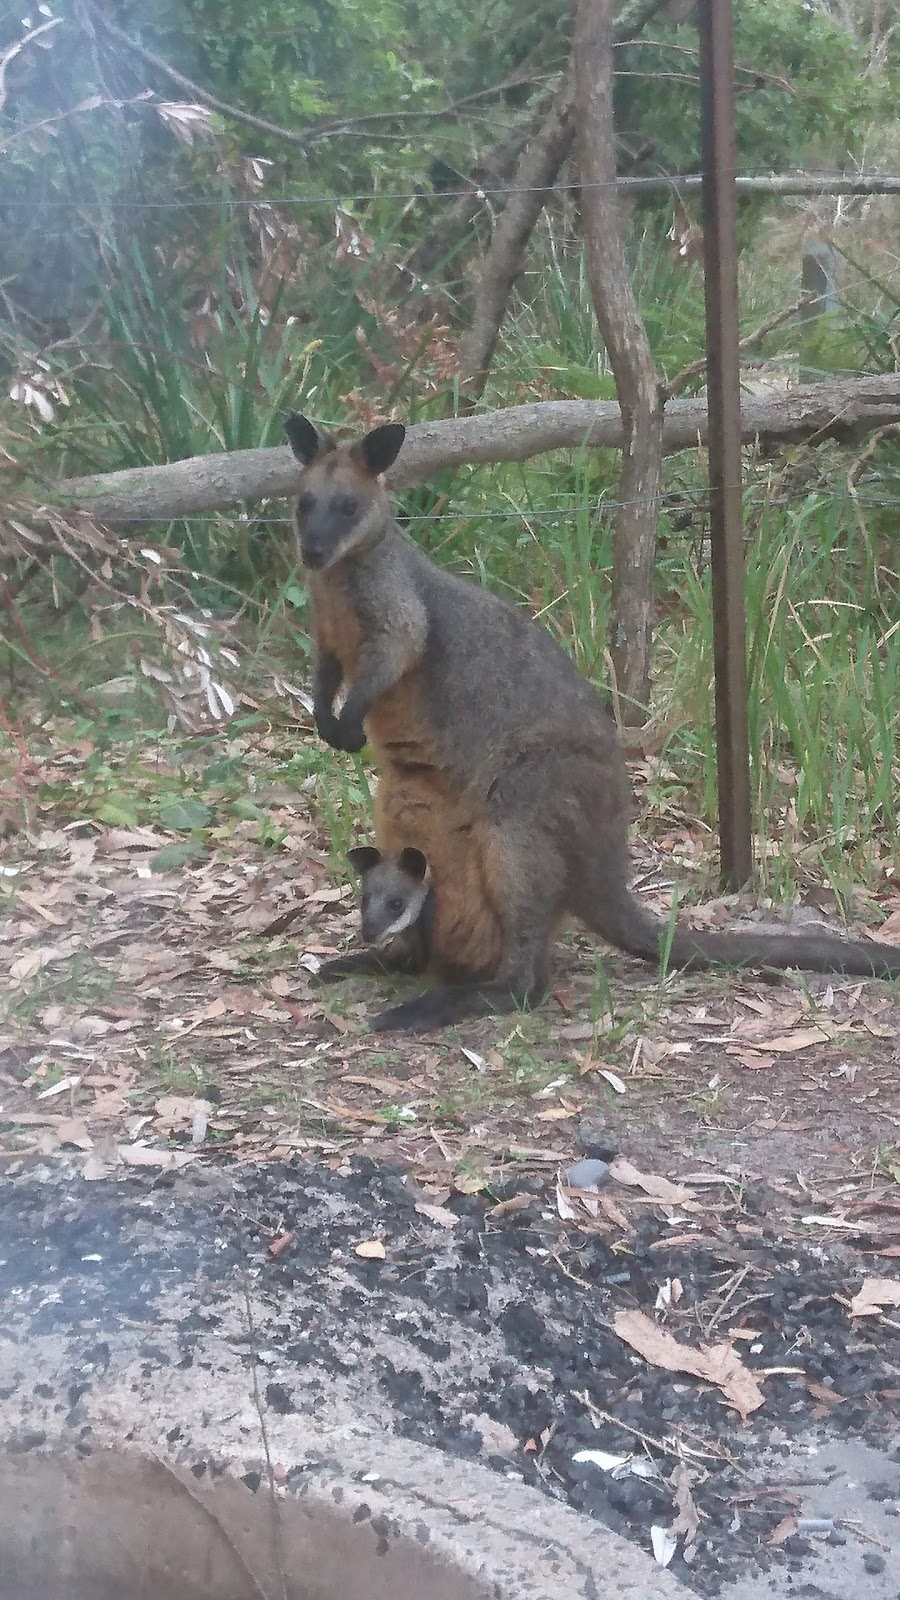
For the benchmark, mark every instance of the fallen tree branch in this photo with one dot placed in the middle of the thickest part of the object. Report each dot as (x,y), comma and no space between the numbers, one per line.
(846,409)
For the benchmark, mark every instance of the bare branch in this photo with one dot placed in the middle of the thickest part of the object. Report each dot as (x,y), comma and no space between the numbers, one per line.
(535,175)
(203,96)
(495,166)
(9,56)
(847,409)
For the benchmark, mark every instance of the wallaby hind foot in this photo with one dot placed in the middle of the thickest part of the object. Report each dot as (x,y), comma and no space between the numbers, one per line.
(453,1002)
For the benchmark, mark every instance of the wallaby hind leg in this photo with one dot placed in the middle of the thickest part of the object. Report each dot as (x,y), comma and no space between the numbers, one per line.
(524,885)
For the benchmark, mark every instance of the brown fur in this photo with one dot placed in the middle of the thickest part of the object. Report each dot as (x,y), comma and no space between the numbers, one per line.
(466,939)
(493,747)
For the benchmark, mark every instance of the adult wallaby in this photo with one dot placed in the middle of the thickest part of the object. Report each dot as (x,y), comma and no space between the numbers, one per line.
(460,691)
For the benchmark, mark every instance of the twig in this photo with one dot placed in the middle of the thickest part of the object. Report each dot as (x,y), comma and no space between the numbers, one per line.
(257,1401)
(261,124)
(703,1449)
(694,367)
(38,661)
(63,116)
(891,430)
(15,735)
(737,1279)
(9,56)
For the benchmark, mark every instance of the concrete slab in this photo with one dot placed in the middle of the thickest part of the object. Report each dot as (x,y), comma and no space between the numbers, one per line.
(133,1461)
(857,1490)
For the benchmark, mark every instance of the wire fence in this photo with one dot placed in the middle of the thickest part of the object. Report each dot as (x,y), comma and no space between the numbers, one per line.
(670,502)
(775,184)
(685,501)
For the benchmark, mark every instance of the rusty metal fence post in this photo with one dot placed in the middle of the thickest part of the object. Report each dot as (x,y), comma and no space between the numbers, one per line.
(724,403)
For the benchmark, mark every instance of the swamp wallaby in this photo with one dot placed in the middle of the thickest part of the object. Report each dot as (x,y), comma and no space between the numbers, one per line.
(466,696)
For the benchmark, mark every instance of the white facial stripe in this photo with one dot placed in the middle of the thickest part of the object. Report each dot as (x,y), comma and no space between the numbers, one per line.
(406,920)
(357,532)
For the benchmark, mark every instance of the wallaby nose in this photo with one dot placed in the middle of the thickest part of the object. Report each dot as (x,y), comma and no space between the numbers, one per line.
(313,553)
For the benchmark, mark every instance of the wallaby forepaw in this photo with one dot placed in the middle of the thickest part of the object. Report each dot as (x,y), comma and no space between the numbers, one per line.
(351,736)
(328,727)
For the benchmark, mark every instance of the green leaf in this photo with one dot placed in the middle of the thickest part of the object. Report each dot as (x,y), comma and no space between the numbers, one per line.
(117,813)
(247,811)
(182,816)
(174,856)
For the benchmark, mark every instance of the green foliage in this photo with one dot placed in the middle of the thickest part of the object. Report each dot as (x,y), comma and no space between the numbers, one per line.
(171,332)
(803,94)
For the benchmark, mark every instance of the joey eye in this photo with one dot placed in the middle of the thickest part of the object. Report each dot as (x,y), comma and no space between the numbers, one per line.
(395,906)
(346,505)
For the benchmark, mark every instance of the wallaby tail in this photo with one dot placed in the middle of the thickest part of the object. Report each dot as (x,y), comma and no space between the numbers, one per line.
(625,923)
(810,952)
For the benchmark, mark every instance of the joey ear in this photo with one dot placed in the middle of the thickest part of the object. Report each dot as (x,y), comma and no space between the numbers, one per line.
(379,449)
(413,862)
(363,857)
(305,439)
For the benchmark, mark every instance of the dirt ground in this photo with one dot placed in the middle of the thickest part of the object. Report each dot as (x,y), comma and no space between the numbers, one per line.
(161,1011)
(151,1015)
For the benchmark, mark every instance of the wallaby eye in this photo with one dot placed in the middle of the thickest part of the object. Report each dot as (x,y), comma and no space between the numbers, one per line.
(305,503)
(346,505)
(395,906)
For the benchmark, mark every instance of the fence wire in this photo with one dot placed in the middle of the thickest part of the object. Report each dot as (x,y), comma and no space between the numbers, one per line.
(596,507)
(776,184)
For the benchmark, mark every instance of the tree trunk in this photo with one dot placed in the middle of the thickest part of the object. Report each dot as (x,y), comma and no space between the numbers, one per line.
(495,169)
(536,172)
(637,381)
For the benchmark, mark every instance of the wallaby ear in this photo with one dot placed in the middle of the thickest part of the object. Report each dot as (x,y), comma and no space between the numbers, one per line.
(413,863)
(363,857)
(305,439)
(379,449)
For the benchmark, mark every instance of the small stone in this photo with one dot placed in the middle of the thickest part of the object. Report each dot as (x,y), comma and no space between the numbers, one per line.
(588,1174)
(873,1562)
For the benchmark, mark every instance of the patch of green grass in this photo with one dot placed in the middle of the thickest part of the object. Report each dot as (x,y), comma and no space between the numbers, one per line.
(75,982)
(712,1099)
(179,1074)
